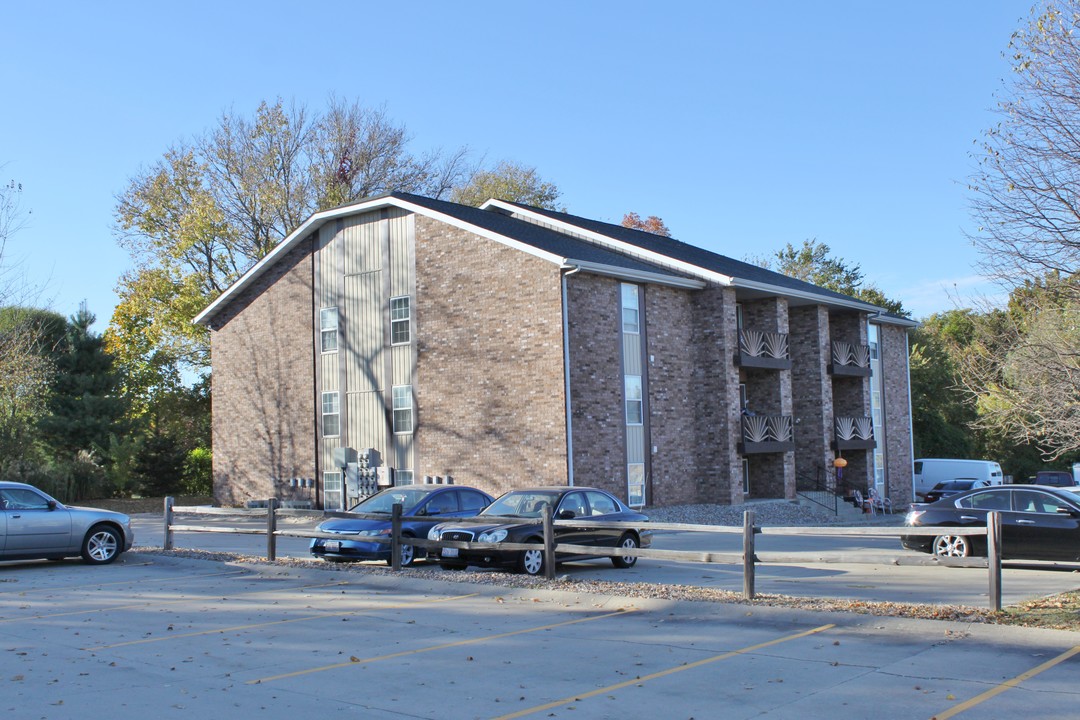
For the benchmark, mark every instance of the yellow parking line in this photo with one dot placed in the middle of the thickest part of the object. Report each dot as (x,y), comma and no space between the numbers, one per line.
(238,628)
(23,591)
(662,673)
(159,603)
(458,643)
(968,704)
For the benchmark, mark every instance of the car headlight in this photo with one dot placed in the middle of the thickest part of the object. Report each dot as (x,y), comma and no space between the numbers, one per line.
(434,534)
(492,536)
(374,533)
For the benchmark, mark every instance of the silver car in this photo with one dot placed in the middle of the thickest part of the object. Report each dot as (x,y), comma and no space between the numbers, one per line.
(34,525)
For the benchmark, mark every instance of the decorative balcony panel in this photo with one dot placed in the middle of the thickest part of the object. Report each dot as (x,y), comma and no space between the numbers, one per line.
(767,434)
(854,433)
(850,360)
(767,350)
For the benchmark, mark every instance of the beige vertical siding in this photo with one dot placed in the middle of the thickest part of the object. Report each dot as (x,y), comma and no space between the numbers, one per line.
(631,354)
(363,310)
(368,425)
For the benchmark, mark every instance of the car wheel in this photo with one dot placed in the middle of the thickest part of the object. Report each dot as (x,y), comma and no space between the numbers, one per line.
(629,541)
(952,546)
(451,566)
(101,545)
(408,553)
(532,562)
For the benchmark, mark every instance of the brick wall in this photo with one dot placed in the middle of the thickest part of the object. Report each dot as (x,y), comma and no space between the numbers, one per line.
(596,381)
(897,407)
(263,353)
(811,388)
(489,394)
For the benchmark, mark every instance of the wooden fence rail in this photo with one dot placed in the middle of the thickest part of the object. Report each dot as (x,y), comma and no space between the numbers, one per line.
(748,558)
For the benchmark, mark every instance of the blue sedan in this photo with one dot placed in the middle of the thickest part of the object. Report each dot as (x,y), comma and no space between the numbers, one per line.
(428,504)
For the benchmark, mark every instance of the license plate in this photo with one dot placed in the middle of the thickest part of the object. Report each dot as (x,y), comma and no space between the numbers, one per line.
(332,545)
(449,552)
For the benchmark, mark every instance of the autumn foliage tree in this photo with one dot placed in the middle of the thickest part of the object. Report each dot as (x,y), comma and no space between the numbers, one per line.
(651,224)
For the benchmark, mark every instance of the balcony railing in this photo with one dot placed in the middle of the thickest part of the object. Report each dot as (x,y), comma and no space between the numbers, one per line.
(763,350)
(850,359)
(766,434)
(854,433)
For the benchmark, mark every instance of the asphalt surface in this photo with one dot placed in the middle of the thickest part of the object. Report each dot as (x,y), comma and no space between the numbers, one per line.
(162,636)
(881,582)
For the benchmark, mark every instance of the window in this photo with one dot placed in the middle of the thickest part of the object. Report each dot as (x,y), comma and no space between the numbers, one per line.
(634,402)
(400,321)
(403,477)
(472,501)
(333,497)
(403,407)
(331,414)
(328,327)
(635,484)
(600,504)
(630,321)
(22,499)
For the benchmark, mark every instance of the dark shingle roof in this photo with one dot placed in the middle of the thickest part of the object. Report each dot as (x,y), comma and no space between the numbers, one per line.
(687,253)
(535,235)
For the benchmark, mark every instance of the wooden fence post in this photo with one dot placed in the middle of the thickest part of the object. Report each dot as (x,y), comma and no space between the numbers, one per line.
(549,543)
(395,537)
(748,555)
(271,529)
(993,557)
(167,543)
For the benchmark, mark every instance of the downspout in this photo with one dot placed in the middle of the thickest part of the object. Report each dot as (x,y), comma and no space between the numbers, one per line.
(566,379)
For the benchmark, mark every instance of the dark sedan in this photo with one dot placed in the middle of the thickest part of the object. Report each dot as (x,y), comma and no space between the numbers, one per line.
(426,504)
(953,487)
(1037,523)
(567,503)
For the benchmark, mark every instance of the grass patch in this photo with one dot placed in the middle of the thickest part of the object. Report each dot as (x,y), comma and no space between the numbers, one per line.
(1059,612)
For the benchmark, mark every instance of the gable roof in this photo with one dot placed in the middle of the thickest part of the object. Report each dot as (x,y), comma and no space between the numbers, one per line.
(571,242)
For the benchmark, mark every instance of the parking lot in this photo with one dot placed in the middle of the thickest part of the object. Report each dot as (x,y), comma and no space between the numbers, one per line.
(156,635)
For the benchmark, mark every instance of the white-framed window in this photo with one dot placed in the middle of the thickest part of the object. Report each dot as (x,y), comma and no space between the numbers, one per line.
(403,409)
(403,477)
(635,484)
(333,495)
(331,414)
(738,316)
(328,329)
(630,309)
(400,320)
(634,402)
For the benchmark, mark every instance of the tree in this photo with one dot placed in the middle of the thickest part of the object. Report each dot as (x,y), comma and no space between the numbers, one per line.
(27,341)
(814,263)
(1024,199)
(507,181)
(211,208)
(651,224)
(85,406)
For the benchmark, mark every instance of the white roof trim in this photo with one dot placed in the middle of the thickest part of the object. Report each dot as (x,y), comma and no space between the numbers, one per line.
(607,240)
(635,275)
(688,268)
(318,219)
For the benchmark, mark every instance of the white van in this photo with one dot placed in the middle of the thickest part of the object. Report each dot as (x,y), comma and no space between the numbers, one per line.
(930,471)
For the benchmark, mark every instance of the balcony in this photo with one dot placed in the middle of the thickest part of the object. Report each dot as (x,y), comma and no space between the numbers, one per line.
(854,433)
(767,350)
(849,360)
(766,434)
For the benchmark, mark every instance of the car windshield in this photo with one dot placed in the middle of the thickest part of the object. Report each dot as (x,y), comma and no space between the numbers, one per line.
(522,503)
(383,503)
(958,485)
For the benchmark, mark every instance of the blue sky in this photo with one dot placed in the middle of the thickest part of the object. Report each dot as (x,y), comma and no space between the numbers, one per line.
(745,126)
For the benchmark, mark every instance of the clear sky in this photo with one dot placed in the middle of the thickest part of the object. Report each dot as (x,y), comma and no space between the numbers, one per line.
(744,125)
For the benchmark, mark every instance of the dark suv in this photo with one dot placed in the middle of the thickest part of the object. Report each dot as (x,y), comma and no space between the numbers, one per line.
(1057,478)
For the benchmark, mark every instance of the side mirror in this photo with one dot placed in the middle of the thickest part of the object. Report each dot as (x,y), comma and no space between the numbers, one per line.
(52,505)
(566,515)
